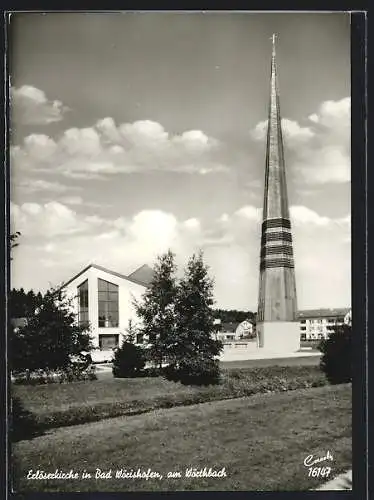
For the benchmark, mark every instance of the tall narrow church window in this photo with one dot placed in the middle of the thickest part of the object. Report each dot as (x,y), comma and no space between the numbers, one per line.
(83,304)
(108,304)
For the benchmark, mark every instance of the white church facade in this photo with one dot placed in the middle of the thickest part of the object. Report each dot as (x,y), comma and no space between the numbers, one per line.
(104,299)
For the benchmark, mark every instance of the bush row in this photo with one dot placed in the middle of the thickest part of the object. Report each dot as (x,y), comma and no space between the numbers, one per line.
(233,384)
(40,377)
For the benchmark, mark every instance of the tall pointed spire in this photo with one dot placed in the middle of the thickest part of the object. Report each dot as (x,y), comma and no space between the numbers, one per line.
(277,307)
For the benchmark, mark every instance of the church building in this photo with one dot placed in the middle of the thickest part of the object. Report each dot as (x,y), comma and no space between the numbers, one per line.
(104,299)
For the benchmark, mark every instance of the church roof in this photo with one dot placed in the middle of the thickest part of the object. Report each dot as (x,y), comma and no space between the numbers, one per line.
(141,276)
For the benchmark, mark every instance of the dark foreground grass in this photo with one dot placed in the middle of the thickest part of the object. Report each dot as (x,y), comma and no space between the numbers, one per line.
(57,405)
(261,441)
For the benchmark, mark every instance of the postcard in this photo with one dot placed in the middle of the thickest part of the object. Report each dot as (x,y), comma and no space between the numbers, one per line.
(180,296)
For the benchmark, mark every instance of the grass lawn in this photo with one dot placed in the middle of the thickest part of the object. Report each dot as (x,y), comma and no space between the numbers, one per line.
(55,405)
(261,441)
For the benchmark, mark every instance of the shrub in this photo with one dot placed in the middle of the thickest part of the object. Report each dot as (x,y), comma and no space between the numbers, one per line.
(129,361)
(72,373)
(194,371)
(153,371)
(336,360)
(76,372)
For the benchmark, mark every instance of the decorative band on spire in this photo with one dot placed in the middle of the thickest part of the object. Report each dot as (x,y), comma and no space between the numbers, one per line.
(278,236)
(279,222)
(277,262)
(276,249)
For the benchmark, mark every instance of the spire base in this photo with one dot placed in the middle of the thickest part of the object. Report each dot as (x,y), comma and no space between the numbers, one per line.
(279,336)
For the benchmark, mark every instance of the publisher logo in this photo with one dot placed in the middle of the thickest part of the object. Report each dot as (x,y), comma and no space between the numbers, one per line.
(318,465)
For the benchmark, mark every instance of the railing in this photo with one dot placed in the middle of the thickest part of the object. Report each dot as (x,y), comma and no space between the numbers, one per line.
(238,345)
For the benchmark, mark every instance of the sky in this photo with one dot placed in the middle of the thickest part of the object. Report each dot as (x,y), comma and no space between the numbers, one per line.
(132,133)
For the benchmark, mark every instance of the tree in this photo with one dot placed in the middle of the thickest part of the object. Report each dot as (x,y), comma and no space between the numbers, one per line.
(51,336)
(233,316)
(192,351)
(22,304)
(131,332)
(336,360)
(156,308)
(129,360)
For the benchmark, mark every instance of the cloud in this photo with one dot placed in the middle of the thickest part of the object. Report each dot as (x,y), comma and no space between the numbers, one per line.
(249,212)
(49,220)
(79,200)
(314,118)
(153,229)
(301,215)
(333,114)
(327,158)
(328,164)
(290,128)
(30,106)
(195,140)
(318,153)
(35,185)
(107,149)
(345,221)
(61,241)
(294,132)
(192,223)
(224,218)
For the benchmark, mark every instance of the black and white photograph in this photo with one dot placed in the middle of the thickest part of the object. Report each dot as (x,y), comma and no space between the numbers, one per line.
(180,312)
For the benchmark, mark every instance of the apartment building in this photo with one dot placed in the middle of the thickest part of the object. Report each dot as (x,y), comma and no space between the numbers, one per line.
(319,323)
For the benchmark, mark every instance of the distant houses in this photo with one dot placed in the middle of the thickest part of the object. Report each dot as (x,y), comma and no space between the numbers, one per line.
(233,330)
